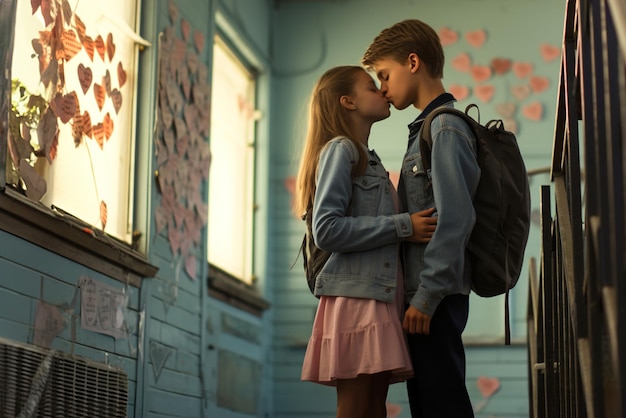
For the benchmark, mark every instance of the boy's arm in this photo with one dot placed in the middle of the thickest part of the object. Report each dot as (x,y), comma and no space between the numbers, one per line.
(455,175)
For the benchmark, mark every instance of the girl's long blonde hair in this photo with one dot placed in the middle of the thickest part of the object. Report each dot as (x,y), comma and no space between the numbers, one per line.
(327,119)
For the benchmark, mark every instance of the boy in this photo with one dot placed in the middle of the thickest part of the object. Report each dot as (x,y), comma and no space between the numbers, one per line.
(408,60)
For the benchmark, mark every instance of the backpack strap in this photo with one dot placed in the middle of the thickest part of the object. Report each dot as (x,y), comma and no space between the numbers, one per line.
(426,137)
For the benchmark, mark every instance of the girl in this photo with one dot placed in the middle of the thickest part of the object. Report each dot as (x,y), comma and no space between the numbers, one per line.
(357,344)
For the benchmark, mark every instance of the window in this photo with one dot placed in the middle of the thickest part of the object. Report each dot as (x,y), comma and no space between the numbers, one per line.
(231,178)
(71,121)
(67,115)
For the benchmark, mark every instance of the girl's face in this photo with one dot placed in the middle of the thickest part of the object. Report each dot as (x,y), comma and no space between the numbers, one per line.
(368,100)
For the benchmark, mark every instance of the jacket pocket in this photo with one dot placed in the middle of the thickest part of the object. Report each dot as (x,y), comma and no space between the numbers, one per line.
(365,196)
(417,182)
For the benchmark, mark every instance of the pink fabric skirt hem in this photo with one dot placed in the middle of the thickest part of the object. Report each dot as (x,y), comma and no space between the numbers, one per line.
(353,337)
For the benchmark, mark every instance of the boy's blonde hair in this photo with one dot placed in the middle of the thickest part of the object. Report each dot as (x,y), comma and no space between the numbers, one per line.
(327,119)
(404,38)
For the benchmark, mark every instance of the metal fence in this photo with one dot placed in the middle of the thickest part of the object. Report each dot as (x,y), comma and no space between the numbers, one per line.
(577,291)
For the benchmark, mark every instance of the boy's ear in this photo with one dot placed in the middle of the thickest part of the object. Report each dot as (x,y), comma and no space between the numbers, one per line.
(347,103)
(414,62)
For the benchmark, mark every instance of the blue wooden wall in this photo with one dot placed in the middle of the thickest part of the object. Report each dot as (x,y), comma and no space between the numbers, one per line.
(191,355)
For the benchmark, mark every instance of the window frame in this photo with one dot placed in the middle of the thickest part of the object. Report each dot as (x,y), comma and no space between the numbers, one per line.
(54,231)
(222,285)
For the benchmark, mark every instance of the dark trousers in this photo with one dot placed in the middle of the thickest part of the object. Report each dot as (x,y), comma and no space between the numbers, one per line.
(438,389)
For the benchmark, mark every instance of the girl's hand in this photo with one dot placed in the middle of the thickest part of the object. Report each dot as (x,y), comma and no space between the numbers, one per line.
(423,226)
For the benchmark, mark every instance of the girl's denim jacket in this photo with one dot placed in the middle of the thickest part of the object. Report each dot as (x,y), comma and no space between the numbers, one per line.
(440,268)
(356,219)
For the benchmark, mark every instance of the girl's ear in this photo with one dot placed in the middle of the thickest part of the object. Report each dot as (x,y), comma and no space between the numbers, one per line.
(347,103)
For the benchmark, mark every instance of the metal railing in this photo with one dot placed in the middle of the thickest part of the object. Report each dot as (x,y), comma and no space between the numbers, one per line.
(577,292)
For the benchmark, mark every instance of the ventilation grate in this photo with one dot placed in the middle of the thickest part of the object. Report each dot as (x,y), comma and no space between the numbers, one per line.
(35,382)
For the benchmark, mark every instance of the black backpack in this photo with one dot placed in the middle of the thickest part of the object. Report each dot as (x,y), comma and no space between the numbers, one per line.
(314,258)
(502,204)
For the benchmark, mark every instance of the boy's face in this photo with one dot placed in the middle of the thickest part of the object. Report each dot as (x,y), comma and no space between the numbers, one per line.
(397,82)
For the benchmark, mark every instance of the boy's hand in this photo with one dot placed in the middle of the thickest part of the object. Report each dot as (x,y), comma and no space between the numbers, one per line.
(423,226)
(416,322)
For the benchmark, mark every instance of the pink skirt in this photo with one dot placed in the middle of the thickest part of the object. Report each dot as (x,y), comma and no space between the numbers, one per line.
(357,336)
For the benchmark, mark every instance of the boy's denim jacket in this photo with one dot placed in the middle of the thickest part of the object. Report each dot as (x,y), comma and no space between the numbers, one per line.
(440,268)
(356,219)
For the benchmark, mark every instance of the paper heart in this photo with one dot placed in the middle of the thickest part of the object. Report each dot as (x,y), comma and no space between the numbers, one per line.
(103,214)
(520,91)
(393,410)
(110,46)
(121,74)
(484,92)
(88,46)
(106,82)
(501,65)
(108,125)
(506,110)
(98,134)
(80,26)
(100,46)
(510,125)
(64,106)
(100,94)
(192,62)
(448,36)
(549,52)
(487,385)
(459,92)
(476,38)
(198,38)
(86,121)
(481,73)
(462,62)
(173,10)
(185,29)
(36,186)
(85,77)
(116,98)
(522,69)
(539,84)
(533,111)
(70,45)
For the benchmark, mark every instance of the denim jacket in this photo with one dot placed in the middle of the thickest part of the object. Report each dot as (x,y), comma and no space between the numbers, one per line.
(356,219)
(441,268)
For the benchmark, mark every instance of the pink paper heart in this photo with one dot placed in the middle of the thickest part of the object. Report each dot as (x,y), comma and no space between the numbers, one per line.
(501,65)
(393,410)
(448,36)
(484,92)
(506,110)
(533,111)
(481,73)
(459,92)
(121,74)
(476,38)
(549,52)
(487,385)
(85,77)
(510,125)
(185,28)
(520,91)
(198,39)
(462,62)
(539,84)
(522,69)
(64,106)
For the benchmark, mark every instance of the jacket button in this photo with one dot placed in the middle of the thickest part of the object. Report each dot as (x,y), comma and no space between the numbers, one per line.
(387,265)
(387,290)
